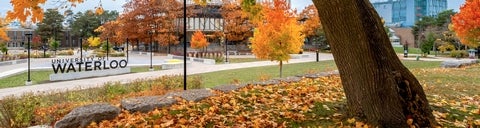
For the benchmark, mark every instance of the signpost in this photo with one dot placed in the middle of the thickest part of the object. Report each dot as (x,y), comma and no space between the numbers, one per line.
(75,68)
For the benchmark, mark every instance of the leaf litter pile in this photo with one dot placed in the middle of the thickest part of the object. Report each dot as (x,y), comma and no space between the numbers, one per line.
(308,103)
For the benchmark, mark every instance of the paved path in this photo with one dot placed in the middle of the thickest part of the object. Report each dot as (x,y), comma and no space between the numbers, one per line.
(193,68)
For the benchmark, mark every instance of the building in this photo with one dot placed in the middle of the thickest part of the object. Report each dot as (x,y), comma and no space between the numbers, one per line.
(16,33)
(404,13)
(18,41)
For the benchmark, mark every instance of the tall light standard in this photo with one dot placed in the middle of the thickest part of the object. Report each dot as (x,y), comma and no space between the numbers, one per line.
(29,81)
(81,46)
(151,50)
(226,42)
(108,50)
(184,44)
(127,49)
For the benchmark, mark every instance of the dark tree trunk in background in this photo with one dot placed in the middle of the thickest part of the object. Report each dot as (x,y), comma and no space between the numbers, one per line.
(377,85)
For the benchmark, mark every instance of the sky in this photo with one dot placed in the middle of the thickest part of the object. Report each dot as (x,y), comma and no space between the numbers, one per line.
(117,5)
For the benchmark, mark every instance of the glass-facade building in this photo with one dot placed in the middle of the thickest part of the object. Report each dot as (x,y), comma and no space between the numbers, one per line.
(404,13)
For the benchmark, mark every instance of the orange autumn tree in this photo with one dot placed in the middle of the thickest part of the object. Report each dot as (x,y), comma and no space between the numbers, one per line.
(23,9)
(278,35)
(111,31)
(198,40)
(311,26)
(467,23)
(3,29)
(237,28)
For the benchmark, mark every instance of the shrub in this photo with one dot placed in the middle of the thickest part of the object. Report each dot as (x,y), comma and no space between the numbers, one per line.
(47,108)
(459,53)
(117,54)
(40,55)
(65,52)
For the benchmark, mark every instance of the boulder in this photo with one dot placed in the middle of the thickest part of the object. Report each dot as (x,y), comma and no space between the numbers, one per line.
(457,63)
(289,79)
(192,95)
(321,74)
(83,116)
(228,88)
(147,103)
(265,83)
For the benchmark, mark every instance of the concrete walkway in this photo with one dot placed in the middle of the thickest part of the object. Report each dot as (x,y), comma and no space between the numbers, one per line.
(193,68)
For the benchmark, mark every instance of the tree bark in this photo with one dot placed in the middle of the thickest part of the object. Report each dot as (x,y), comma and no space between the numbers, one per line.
(281,68)
(378,87)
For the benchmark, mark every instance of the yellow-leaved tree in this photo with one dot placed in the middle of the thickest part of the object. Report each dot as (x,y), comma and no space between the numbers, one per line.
(198,40)
(94,41)
(3,29)
(279,35)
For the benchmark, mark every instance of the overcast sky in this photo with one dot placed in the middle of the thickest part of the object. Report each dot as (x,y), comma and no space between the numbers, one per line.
(117,5)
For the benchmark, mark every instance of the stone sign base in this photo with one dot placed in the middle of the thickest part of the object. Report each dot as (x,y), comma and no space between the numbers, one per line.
(87,74)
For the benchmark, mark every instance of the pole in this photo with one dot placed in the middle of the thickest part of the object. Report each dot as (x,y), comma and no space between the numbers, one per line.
(127,49)
(107,49)
(151,51)
(184,44)
(81,50)
(226,43)
(317,55)
(29,81)
(44,50)
(226,49)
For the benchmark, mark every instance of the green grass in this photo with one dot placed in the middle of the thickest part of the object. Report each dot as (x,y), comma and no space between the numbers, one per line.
(410,50)
(242,60)
(421,64)
(39,77)
(253,74)
(144,69)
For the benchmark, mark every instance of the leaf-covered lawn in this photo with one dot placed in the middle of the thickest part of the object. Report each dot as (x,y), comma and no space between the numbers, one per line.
(309,103)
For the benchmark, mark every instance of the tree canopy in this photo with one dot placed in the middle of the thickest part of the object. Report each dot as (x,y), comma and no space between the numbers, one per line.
(467,23)
(51,26)
(237,28)
(3,29)
(278,35)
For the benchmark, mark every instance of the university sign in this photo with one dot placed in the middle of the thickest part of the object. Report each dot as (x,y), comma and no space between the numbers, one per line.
(76,68)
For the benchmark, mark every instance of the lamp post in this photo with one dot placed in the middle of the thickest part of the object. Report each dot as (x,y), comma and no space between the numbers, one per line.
(434,46)
(108,50)
(226,42)
(184,44)
(45,48)
(81,49)
(151,50)
(81,46)
(127,49)
(29,81)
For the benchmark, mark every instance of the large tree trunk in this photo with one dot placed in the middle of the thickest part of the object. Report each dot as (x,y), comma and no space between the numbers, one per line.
(377,85)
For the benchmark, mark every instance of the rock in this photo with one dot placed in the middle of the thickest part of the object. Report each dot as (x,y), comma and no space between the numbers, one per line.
(321,74)
(265,83)
(83,116)
(147,103)
(40,126)
(192,95)
(335,72)
(289,79)
(457,63)
(228,88)
(317,75)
